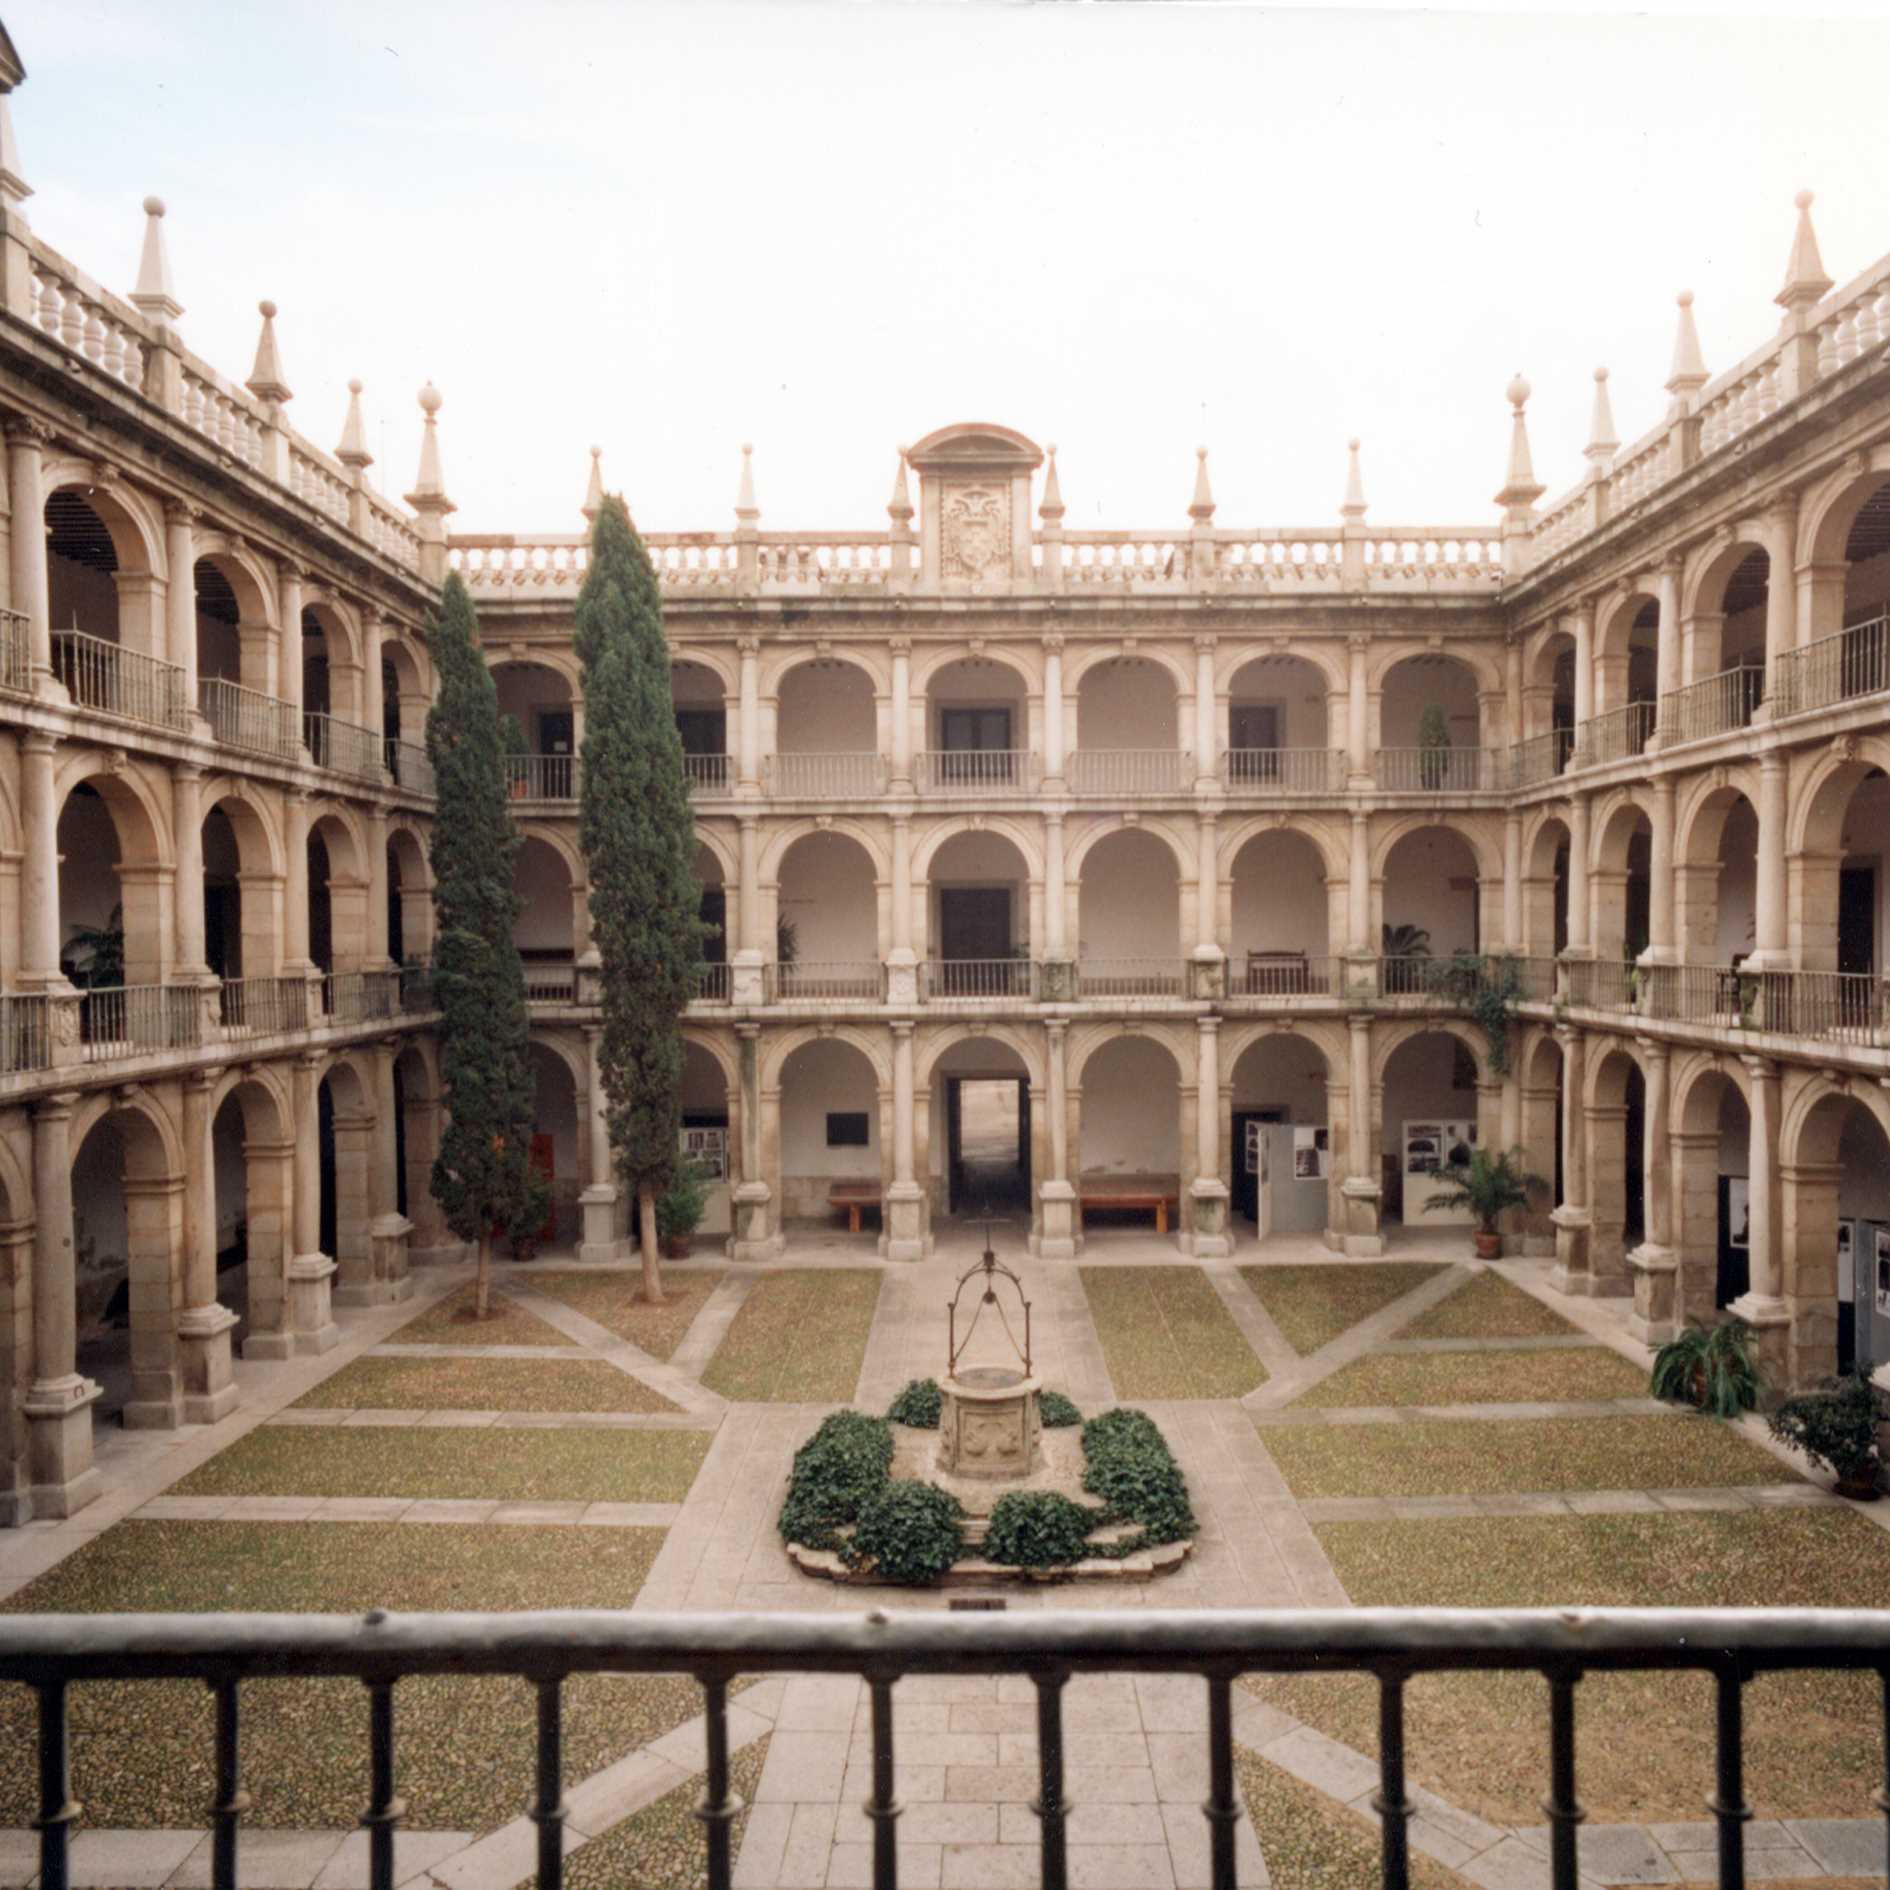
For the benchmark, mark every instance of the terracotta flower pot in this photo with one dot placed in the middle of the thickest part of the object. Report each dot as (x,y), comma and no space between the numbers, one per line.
(1489,1246)
(678,1246)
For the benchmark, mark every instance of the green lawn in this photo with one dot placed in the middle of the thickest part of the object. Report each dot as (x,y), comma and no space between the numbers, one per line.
(661,1847)
(451,1322)
(569,1466)
(1166,1334)
(1477,1457)
(1312,1305)
(142,1751)
(1587,1372)
(799,1338)
(615,1300)
(1312,1842)
(483,1384)
(1487,1306)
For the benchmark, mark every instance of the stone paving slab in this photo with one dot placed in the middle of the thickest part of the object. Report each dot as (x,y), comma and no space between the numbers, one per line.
(408,1509)
(1491,1413)
(316,1417)
(1320,1509)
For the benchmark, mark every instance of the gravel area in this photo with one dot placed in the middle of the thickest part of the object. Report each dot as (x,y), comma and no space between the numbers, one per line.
(451,1322)
(1489,1307)
(1474,1457)
(1479,1378)
(1644,1742)
(799,1338)
(662,1847)
(1313,1304)
(142,1751)
(568,1466)
(1166,1334)
(483,1384)
(615,1300)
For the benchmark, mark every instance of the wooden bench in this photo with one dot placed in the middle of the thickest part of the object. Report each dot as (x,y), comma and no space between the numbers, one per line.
(1134,1200)
(853,1196)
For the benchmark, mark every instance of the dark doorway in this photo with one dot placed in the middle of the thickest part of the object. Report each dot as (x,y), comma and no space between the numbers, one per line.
(325,1164)
(1857,920)
(966,735)
(974,922)
(556,731)
(1735,1261)
(988,1143)
(1246,1172)
(1634,1176)
(703,731)
(1253,731)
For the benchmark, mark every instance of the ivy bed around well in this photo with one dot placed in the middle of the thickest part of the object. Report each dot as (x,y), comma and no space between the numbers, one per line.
(848,1517)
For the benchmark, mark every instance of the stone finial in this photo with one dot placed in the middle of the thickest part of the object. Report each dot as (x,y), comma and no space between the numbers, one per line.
(746,510)
(13,187)
(429,489)
(1805,280)
(153,294)
(1050,507)
(1202,508)
(1689,365)
(353,448)
(1603,441)
(265,378)
(1521,489)
(594,486)
(1354,504)
(899,506)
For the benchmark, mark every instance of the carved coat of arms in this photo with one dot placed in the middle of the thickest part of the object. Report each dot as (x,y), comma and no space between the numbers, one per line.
(977,532)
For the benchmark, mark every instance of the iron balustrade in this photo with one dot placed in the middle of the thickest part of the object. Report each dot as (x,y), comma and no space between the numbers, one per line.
(1283,770)
(1017,978)
(360,997)
(25,1033)
(1835,1006)
(1535,979)
(1435,770)
(975,771)
(248,719)
(542,777)
(1541,758)
(343,747)
(1284,975)
(1716,705)
(837,777)
(415,982)
(1131,977)
(823,981)
(117,681)
(1127,771)
(715,984)
(128,1019)
(710,774)
(16,652)
(263,1006)
(551,984)
(1854,662)
(50,1654)
(410,767)
(1618,733)
(1599,983)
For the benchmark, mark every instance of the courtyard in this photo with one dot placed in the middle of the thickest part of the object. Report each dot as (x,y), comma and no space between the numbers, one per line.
(1421,1430)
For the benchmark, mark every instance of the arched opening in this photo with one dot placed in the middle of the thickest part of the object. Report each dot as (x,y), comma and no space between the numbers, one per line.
(1131,1139)
(1627,680)
(1839,884)
(977,726)
(1430,905)
(345,1126)
(714,914)
(127,1243)
(331,674)
(545,929)
(1280,940)
(1716,885)
(235,640)
(979,918)
(81,568)
(416,1143)
(92,943)
(1712,1142)
(1430,725)
(826,735)
(253,1158)
(1835,1250)
(830,1134)
(223,930)
(708,1133)
(702,723)
(1429,1124)
(981,1132)
(1619,891)
(1849,635)
(114,915)
(1548,710)
(1723,648)
(556,1148)
(1128,731)
(337,897)
(409,899)
(539,724)
(1617,1114)
(826,935)
(1129,918)
(1542,1078)
(1279,728)
(100,586)
(1545,892)
(1286,1165)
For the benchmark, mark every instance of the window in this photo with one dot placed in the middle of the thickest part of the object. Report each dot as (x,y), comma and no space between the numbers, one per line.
(846,1128)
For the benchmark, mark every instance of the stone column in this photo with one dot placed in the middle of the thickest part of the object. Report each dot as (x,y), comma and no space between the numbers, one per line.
(1582,626)
(1358,757)
(1660,883)
(745,969)
(1762,1306)
(1209,980)
(180,615)
(1781,596)
(1361,1190)
(1360,946)
(1206,748)
(1053,759)
(187,896)
(296,962)
(389,1230)
(39,865)
(58,1403)
(1655,1263)
(1580,937)
(311,1323)
(1056,1198)
(901,715)
(906,1235)
(1667,651)
(377,958)
(748,719)
(1208,1237)
(902,975)
(373,686)
(1513,939)
(289,662)
(598,1203)
(755,1237)
(203,1327)
(1771,951)
(32,597)
(1573,1223)
(1056,949)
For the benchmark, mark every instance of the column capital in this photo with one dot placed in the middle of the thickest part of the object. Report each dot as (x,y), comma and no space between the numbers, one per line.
(1662,785)
(1583,615)
(187,772)
(1761,1069)
(900,646)
(200,1081)
(309,1060)
(1057,1027)
(1653,1049)
(39,741)
(56,1107)
(1206,643)
(1209,1025)
(902,1027)
(747,646)
(1672,563)
(1360,1022)
(747,1032)
(1570,1036)
(594,1034)
(182,512)
(24,429)
(1053,643)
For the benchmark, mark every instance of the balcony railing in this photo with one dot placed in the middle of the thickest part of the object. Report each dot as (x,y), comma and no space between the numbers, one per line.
(975,771)
(715,984)
(126,1020)
(1283,770)
(1559,1647)
(117,681)
(1284,975)
(824,777)
(1855,662)
(16,652)
(1714,706)
(710,774)
(1617,734)
(824,981)
(411,768)
(551,984)
(25,1033)
(1599,984)
(1435,770)
(1541,758)
(415,983)
(1131,977)
(262,1007)
(248,719)
(953,978)
(1127,771)
(542,777)
(360,997)
(344,747)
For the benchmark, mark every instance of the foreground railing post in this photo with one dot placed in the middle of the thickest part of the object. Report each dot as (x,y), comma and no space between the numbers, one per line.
(232,1801)
(1728,1803)
(548,1806)
(1564,1810)
(1052,1812)
(384,1810)
(883,1807)
(1394,1808)
(717,1807)
(57,1808)
(1881,1796)
(1223,1802)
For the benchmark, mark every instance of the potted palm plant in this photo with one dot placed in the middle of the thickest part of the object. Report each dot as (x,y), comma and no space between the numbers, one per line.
(679,1209)
(1487,1184)
(1402,946)
(1711,1367)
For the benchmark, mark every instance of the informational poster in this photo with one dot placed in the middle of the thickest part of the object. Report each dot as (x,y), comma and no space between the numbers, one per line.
(1256,1148)
(1423,1147)
(1738,1212)
(1883,1271)
(1431,1148)
(1311,1153)
(1846,1263)
(710,1148)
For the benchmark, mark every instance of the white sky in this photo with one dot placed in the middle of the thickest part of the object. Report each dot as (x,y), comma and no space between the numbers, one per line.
(672,225)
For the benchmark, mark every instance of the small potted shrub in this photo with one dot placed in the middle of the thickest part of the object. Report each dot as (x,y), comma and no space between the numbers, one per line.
(679,1209)
(1487,1185)
(1710,1367)
(1836,1425)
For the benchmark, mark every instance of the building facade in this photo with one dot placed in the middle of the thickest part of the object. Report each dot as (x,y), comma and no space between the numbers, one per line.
(1221,879)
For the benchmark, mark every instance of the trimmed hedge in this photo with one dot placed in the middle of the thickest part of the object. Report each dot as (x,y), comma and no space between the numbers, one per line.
(909,1533)
(1057,1411)
(837,1472)
(1038,1529)
(919,1405)
(1128,1464)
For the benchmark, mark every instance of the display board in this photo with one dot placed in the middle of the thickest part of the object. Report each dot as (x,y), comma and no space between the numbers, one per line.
(1430,1147)
(1291,1162)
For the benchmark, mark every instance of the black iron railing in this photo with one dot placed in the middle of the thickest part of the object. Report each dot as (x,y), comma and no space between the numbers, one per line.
(50,1653)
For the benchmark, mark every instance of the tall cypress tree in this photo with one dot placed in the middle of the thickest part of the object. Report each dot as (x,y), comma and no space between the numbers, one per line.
(638,836)
(482,1177)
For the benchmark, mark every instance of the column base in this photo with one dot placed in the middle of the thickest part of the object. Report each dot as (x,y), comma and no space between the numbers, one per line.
(755,1237)
(1204,1235)
(1207,974)
(1058,1237)
(162,1413)
(203,1338)
(312,1327)
(448,1254)
(388,1236)
(1654,1317)
(745,978)
(906,1235)
(58,1414)
(902,978)
(1771,1323)
(1364,1236)
(268,1348)
(599,1239)
(1573,1272)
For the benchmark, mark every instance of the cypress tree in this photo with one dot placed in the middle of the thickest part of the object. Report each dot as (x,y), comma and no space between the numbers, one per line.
(482,1177)
(638,834)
